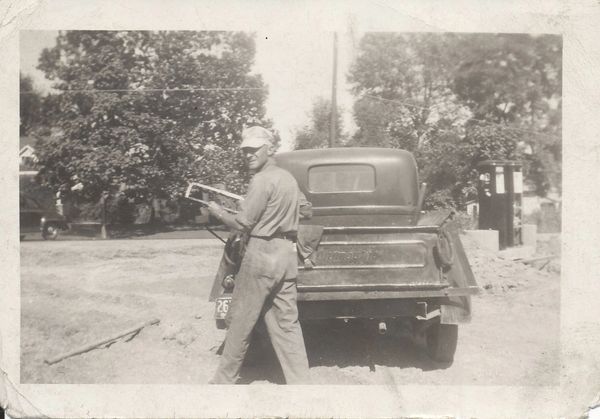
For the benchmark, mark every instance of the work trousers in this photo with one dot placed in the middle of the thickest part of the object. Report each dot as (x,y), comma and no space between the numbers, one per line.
(265,285)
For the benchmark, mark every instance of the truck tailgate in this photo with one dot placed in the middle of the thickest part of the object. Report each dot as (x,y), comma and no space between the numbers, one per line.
(374,259)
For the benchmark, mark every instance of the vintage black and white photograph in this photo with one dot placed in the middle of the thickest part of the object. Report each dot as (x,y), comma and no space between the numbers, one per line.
(400,216)
(224,214)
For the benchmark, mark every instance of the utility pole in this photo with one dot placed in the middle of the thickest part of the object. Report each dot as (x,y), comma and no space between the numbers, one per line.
(332,127)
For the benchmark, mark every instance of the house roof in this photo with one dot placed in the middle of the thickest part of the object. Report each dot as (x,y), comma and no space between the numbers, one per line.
(27,149)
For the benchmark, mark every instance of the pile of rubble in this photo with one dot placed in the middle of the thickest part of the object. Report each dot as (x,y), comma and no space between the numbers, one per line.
(496,274)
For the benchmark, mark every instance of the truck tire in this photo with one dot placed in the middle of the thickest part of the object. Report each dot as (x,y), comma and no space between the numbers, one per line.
(50,232)
(441,341)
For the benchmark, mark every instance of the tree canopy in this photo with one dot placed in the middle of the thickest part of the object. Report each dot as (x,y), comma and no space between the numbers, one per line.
(30,105)
(457,99)
(411,70)
(142,113)
(316,133)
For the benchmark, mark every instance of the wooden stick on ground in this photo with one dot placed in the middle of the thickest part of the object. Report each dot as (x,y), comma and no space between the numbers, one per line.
(536,259)
(94,345)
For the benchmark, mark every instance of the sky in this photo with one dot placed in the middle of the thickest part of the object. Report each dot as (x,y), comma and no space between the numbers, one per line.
(296,66)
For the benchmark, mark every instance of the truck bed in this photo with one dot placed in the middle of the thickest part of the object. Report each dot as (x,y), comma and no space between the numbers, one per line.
(384,262)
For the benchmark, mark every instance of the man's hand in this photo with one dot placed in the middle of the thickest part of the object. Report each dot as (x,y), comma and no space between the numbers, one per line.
(218,212)
(215,210)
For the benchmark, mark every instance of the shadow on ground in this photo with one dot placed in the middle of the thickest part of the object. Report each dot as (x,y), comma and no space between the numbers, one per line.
(341,345)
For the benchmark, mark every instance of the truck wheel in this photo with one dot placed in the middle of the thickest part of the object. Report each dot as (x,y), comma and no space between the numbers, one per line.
(441,341)
(50,232)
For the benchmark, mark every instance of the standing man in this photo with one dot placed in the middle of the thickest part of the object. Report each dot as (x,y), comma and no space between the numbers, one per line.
(266,281)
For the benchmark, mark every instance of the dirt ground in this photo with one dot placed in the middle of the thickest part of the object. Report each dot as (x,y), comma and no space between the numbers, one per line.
(78,292)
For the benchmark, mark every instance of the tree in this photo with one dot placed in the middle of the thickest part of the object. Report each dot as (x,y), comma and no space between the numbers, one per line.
(316,134)
(402,85)
(509,77)
(143,113)
(449,164)
(30,105)
(456,99)
(516,79)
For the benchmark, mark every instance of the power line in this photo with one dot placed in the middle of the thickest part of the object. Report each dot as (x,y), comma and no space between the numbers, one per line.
(161,90)
(436,131)
(408,105)
(483,121)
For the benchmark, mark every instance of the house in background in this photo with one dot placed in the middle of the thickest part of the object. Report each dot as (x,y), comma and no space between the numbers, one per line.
(27,157)
(28,170)
(532,203)
(544,211)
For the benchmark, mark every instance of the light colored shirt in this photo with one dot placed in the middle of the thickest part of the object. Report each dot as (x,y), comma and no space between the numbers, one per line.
(271,205)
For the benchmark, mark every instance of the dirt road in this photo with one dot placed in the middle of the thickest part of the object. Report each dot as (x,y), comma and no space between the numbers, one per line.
(75,292)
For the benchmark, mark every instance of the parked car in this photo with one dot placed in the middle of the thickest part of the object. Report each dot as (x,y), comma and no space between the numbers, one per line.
(34,218)
(379,258)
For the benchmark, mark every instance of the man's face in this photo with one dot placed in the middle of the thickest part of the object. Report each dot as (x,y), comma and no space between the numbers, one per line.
(256,157)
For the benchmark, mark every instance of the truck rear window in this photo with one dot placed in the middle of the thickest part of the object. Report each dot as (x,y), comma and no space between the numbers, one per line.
(341,178)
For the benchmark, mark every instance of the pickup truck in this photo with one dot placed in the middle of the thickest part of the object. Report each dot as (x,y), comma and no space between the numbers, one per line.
(378,257)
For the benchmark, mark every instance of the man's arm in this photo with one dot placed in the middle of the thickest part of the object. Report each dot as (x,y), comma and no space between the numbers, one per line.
(228,219)
(251,210)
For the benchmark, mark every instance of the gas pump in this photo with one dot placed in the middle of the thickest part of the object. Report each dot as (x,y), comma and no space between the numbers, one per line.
(500,191)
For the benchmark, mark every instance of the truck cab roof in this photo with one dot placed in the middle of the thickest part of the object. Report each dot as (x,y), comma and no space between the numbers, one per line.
(361,180)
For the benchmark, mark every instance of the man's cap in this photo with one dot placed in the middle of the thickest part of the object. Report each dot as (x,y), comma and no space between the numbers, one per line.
(255,137)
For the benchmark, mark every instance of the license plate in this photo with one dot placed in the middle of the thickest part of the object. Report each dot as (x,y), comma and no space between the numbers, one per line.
(222,307)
